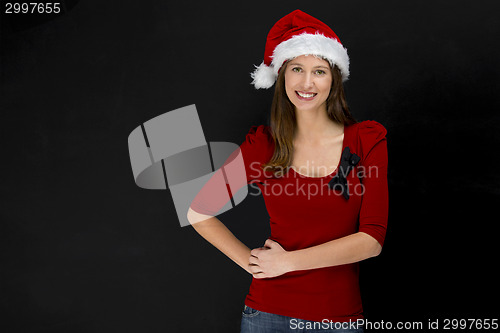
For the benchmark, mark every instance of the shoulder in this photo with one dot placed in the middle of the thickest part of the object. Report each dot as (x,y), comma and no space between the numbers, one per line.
(368,134)
(259,131)
(259,143)
(259,135)
(371,129)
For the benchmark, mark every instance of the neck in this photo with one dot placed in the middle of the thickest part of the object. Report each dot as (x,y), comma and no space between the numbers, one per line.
(314,125)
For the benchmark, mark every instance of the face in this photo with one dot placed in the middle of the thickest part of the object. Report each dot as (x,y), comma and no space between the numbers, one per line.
(308,80)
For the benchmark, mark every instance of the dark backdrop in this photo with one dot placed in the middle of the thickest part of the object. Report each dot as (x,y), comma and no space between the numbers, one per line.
(83,249)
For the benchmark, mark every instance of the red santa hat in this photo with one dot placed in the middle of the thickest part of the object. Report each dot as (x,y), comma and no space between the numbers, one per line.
(294,35)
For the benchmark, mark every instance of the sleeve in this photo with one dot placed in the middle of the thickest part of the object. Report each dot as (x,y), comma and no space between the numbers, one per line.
(256,150)
(374,211)
(241,168)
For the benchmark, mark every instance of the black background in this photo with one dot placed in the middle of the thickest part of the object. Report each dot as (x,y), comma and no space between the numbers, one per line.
(83,249)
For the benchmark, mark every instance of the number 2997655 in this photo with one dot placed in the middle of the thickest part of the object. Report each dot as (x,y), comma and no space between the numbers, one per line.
(32,7)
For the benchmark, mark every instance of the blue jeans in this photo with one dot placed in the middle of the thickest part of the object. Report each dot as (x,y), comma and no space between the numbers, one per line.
(255,321)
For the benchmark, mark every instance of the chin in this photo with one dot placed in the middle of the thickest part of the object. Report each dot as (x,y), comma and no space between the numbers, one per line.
(299,105)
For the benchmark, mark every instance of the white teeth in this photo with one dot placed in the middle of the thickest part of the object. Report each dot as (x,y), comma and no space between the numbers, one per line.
(305,95)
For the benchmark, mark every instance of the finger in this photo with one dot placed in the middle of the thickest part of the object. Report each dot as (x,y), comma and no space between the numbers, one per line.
(253,260)
(254,269)
(255,252)
(269,242)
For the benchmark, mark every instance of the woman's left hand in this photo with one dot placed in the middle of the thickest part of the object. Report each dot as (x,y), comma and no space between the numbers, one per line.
(269,261)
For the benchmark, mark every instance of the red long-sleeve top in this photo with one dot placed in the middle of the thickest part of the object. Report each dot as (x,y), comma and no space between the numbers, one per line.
(305,212)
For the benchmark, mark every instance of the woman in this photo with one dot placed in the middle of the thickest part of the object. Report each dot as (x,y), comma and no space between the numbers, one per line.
(324,181)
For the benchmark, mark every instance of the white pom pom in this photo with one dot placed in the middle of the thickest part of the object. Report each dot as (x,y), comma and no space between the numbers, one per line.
(263,76)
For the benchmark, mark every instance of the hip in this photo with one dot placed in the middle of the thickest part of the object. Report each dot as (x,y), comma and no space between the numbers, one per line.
(255,321)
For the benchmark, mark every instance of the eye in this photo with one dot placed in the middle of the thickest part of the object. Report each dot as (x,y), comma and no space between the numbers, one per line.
(296,69)
(320,72)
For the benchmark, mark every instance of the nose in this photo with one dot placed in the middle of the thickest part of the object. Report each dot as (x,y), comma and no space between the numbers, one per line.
(307,81)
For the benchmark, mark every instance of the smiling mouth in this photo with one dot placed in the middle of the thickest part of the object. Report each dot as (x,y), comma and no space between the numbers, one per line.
(305,96)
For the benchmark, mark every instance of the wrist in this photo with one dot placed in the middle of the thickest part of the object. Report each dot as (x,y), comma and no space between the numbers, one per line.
(289,261)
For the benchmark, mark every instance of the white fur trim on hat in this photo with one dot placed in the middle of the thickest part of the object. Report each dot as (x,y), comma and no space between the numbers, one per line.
(263,76)
(303,44)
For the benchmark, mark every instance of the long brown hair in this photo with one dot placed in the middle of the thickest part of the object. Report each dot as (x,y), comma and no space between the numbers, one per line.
(283,121)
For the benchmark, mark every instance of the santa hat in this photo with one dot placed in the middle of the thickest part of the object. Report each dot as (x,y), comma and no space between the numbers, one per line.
(294,35)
